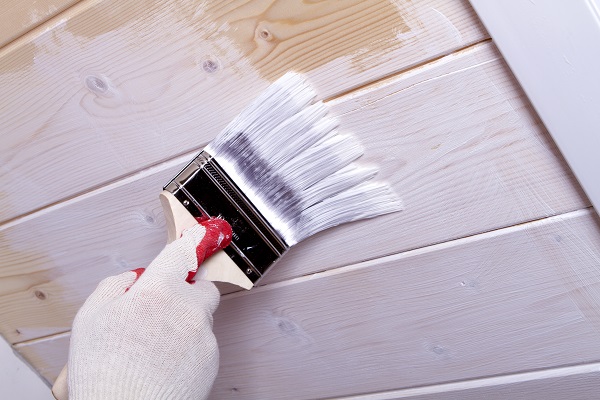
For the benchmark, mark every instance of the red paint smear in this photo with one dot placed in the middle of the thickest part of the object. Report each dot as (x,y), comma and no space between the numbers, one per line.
(190,277)
(218,236)
(138,273)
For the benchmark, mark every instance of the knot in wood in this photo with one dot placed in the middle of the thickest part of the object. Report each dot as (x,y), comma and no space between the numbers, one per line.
(210,65)
(265,35)
(96,84)
(40,295)
(263,32)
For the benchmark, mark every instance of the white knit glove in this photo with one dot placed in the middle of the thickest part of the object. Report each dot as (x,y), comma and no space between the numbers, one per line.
(149,336)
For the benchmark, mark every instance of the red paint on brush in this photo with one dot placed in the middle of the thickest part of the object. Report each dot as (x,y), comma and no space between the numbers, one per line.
(218,236)
(138,273)
(190,277)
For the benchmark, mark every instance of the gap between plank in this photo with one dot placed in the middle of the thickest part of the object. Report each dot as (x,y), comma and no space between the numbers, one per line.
(40,339)
(395,78)
(391,77)
(162,165)
(106,186)
(481,382)
(46,25)
(520,377)
(589,211)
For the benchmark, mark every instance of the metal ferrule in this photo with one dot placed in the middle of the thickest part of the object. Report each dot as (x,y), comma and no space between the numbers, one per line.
(204,189)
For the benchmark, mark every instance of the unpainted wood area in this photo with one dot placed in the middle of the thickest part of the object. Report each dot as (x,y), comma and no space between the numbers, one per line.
(18,17)
(461,286)
(505,301)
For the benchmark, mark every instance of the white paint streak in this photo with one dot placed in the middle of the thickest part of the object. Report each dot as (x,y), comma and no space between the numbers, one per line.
(449,25)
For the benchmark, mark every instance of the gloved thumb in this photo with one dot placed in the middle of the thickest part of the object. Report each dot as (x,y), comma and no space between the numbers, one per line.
(113,287)
(180,259)
(218,236)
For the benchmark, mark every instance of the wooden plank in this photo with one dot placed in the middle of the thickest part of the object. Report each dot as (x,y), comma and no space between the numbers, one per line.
(537,38)
(117,86)
(18,17)
(516,299)
(45,281)
(581,382)
(456,139)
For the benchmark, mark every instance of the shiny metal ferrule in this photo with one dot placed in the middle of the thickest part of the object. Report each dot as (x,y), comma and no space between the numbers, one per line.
(205,189)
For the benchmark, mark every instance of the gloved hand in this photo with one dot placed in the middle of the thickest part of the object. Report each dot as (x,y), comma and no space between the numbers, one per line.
(148,334)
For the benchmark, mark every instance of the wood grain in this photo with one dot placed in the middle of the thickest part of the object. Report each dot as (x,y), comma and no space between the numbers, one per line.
(516,299)
(20,16)
(456,139)
(115,86)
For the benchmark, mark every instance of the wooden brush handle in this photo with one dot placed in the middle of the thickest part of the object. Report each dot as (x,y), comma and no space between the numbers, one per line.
(177,217)
(218,267)
(60,389)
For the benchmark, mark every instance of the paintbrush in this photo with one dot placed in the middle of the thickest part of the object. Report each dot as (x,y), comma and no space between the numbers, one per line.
(278,173)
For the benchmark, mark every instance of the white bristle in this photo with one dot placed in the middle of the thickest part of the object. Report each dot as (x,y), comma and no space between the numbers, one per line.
(286,156)
(346,177)
(366,200)
(320,161)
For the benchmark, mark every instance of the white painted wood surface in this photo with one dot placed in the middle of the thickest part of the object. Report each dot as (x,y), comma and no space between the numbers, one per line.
(516,299)
(116,86)
(581,382)
(446,296)
(456,139)
(553,47)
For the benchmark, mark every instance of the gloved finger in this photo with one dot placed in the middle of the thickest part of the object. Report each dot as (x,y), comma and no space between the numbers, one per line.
(205,295)
(177,258)
(114,286)
(184,254)
(218,236)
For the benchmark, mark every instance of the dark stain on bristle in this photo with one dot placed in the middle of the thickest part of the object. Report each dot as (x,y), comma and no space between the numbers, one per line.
(272,188)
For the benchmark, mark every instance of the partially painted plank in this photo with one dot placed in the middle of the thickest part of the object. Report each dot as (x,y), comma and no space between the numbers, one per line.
(116,86)
(518,299)
(17,17)
(456,139)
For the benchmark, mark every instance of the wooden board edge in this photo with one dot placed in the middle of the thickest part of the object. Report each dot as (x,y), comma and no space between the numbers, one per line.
(501,387)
